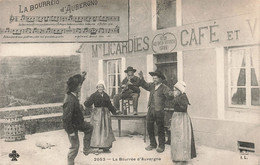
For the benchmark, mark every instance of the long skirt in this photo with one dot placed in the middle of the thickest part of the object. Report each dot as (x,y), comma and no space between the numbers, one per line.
(182,139)
(102,135)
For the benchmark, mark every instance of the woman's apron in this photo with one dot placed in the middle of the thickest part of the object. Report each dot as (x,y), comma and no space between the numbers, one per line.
(182,139)
(102,135)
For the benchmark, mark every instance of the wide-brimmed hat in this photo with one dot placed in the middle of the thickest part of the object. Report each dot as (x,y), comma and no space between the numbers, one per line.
(158,73)
(73,83)
(78,77)
(130,69)
(181,86)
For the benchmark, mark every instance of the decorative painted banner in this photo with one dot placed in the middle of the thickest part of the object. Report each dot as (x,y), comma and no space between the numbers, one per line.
(231,31)
(63,21)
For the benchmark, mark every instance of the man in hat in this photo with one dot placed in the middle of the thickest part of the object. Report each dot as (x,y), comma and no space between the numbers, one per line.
(130,89)
(73,119)
(159,92)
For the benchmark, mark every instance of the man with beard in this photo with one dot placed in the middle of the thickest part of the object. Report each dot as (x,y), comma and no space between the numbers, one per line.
(130,89)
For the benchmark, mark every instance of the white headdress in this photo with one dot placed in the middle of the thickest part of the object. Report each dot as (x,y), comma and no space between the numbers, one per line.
(181,86)
(101,82)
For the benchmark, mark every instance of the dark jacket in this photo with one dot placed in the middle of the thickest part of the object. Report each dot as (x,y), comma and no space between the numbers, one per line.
(73,118)
(180,103)
(157,97)
(100,101)
(136,83)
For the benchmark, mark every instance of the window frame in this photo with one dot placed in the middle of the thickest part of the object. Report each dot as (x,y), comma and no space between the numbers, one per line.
(178,15)
(116,74)
(248,85)
(158,17)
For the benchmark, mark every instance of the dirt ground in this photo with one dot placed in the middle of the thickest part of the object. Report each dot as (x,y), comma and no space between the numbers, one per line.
(128,149)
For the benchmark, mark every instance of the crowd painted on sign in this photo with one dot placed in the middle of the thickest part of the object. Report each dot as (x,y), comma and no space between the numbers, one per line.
(98,134)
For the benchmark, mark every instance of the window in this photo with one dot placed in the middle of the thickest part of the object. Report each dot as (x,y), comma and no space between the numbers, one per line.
(113,76)
(166,13)
(243,68)
(167,64)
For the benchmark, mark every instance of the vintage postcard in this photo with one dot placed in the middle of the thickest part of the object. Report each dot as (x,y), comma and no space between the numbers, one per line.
(129,82)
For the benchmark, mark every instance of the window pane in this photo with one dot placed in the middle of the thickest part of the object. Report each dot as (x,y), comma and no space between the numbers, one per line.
(112,81)
(119,80)
(254,77)
(255,96)
(170,57)
(238,58)
(114,67)
(254,58)
(166,9)
(162,58)
(119,67)
(108,67)
(238,96)
(111,67)
(238,77)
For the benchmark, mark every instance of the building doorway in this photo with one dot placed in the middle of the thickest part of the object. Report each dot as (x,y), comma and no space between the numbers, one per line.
(167,64)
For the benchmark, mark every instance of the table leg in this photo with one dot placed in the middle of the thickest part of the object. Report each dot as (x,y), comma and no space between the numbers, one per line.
(145,130)
(119,127)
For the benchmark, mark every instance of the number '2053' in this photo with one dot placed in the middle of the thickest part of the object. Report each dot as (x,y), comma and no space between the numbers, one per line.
(99,159)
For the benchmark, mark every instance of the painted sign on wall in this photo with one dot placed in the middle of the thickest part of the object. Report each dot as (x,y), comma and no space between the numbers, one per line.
(64,21)
(164,42)
(234,31)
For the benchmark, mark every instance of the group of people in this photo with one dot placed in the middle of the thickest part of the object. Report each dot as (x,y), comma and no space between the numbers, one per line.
(98,134)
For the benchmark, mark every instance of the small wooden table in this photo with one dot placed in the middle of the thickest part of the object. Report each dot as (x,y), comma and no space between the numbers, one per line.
(140,116)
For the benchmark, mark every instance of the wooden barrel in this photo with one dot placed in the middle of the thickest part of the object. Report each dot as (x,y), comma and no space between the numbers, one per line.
(14,128)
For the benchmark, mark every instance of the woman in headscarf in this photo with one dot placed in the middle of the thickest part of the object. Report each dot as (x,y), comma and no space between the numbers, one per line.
(182,139)
(102,136)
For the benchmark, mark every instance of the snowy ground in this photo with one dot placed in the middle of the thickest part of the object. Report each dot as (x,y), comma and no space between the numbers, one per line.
(126,150)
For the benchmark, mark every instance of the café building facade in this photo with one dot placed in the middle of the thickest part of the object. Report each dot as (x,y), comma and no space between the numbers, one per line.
(213,46)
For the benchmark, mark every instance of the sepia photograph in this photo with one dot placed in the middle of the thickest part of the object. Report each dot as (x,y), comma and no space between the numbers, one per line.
(130,82)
